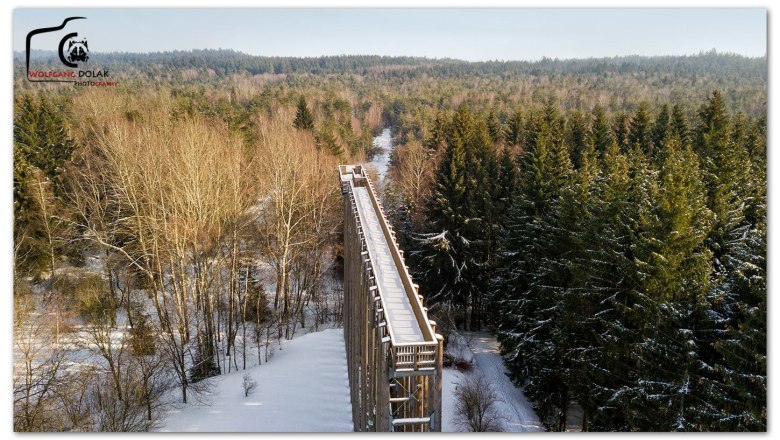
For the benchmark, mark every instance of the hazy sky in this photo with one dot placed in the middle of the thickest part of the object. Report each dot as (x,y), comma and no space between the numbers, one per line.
(470,34)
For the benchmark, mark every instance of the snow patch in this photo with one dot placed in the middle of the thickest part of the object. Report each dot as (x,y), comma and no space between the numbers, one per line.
(382,159)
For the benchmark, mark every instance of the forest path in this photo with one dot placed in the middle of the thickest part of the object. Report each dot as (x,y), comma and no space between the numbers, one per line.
(516,411)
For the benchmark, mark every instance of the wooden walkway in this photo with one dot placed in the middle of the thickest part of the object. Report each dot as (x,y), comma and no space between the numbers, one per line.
(394,355)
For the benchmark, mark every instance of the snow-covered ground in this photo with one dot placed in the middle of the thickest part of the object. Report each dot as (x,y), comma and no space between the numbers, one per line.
(515,411)
(452,378)
(381,160)
(303,388)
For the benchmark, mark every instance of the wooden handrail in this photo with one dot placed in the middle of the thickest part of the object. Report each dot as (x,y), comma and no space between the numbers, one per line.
(406,279)
(358,172)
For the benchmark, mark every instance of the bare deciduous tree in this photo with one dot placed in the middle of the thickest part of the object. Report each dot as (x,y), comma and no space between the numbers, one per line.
(249,384)
(413,177)
(39,371)
(475,407)
(179,187)
(296,216)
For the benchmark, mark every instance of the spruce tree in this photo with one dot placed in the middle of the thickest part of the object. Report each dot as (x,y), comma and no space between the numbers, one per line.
(562,282)
(726,170)
(679,125)
(600,131)
(41,138)
(736,383)
(754,143)
(304,119)
(515,128)
(495,129)
(640,130)
(661,128)
(620,131)
(576,137)
(604,285)
(481,229)
(529,307)
(736,391)
(505,183)
(438,132)
(444,247)
(673,264)
(625,309)
(41,149)
(326,139)
(444,216)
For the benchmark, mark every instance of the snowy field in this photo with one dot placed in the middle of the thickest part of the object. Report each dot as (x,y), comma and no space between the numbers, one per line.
(303,388)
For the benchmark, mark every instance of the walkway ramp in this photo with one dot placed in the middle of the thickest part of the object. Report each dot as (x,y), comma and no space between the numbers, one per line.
(394,355)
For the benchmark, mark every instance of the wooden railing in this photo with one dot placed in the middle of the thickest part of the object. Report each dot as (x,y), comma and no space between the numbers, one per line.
(409,287)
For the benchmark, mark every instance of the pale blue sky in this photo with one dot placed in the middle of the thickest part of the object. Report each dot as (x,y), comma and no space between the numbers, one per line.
(469,34)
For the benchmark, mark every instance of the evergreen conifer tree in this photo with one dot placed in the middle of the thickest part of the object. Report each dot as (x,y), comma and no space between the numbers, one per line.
(736,383)
(515,128)
(529,307)
(661,128)
(600,131)
(495,129)
(41,148)
(679,124)
(304,119)
(640,130)
(620,131)
(444,259)
(576,137)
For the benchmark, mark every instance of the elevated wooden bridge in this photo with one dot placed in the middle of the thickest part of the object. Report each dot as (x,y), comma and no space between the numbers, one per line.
(394,355)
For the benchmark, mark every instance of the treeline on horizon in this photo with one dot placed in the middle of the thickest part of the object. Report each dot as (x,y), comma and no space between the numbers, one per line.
(226,62)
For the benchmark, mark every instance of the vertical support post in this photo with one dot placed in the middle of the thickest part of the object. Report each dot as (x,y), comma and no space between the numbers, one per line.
(383,410)
(364,354)
(372,362)
(439,374)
